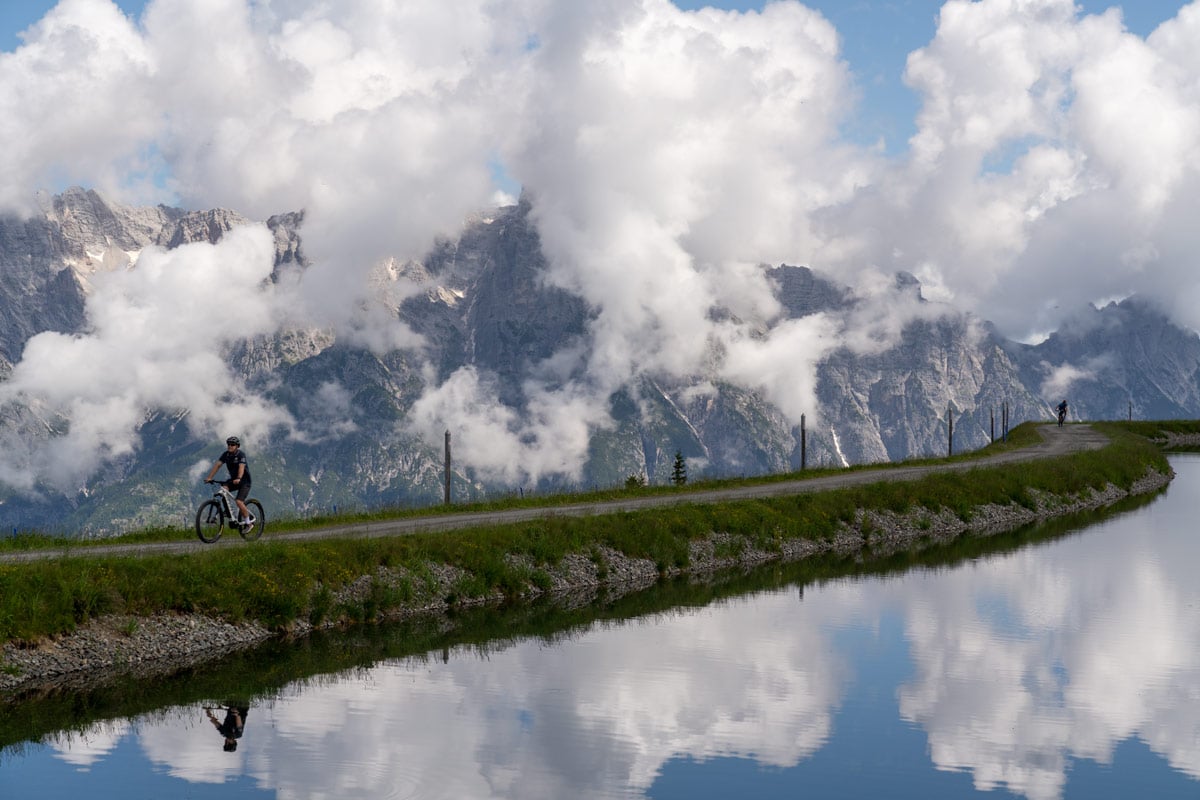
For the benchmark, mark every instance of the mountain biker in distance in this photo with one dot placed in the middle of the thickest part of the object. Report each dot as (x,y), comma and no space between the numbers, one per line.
(1062,413)
(239,478)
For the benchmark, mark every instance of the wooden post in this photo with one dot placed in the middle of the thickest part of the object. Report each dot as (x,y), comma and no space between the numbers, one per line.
(950,419)
(992,420)
(1131,411)
(803,444)
(1004,420)
(447,467)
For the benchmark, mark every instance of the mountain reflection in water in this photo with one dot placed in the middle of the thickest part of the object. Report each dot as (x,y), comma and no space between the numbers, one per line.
(1066,667)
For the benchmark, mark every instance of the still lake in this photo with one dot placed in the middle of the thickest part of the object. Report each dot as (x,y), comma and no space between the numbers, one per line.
(1062,663)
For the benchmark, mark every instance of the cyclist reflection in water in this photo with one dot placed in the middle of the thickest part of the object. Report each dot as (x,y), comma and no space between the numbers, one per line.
(232,726)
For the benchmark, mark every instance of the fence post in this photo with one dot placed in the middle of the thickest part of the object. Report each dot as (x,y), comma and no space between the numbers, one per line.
(803,444)
(950,419)
(447,467)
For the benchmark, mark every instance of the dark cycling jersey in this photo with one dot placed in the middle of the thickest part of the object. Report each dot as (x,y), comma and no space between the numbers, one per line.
(234,723)
(231,461)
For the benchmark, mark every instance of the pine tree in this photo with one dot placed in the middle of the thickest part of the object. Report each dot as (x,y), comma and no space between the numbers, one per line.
(679,470)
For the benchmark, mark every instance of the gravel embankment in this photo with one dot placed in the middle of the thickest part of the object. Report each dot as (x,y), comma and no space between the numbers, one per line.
(164,643)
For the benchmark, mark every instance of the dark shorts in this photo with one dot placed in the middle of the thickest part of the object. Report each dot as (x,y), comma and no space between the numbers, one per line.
(241,490)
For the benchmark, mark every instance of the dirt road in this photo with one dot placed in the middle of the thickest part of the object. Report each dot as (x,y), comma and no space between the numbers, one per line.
(1055,441)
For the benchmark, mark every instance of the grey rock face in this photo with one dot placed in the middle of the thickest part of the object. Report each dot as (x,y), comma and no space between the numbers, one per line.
(1133,359)
(487,305)
(802,292)
(483,303)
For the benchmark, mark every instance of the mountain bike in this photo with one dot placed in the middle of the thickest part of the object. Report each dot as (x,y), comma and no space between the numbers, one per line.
(213,515)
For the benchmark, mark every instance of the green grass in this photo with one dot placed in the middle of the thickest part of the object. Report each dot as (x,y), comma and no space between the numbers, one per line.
(277,583)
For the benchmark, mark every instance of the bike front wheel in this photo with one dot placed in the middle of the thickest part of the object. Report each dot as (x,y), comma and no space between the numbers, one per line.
(260,521)
(209,521)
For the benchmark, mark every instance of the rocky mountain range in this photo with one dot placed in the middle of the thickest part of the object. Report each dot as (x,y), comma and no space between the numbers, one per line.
(484,303)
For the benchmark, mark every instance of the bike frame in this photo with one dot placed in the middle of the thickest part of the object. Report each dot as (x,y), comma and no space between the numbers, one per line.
(228,501)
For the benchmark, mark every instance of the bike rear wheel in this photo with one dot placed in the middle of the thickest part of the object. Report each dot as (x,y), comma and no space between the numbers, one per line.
(210,519)
(260,521)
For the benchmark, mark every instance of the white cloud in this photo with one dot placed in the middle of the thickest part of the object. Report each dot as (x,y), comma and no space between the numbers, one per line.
(328,413)
(502,445)
(155,339)
(668,153)
(1058,383)
(668,150)
(782,364)
(1036,167)
(70,105)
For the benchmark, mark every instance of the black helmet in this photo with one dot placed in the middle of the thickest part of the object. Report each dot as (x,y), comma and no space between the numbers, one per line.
(234,440)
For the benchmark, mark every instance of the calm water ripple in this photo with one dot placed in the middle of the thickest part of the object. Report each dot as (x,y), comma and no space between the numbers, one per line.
(1066,668)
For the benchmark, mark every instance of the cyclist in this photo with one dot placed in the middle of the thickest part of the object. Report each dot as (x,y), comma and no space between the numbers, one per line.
(239,478)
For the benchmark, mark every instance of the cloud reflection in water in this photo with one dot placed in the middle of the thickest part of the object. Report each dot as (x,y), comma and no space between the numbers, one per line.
(1020,663)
